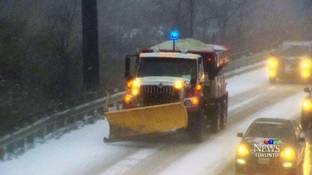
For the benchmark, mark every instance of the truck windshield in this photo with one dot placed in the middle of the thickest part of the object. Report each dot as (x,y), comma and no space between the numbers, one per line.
(294,51)
(174,67)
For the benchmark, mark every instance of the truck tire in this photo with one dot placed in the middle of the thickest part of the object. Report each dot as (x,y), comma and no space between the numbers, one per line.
(195,125)
(216,118)
(305,121)
(224,113)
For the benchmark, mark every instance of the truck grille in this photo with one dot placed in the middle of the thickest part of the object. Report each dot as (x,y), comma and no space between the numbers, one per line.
(157,90)
(153,95)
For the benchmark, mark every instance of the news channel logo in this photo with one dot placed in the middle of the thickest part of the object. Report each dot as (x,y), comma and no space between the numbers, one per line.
(271,141)
(269,148)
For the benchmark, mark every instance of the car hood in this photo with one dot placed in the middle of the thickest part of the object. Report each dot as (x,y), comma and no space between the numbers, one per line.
(260,140)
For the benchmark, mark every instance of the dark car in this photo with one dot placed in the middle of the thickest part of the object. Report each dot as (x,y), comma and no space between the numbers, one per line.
(271,146)
(290,63)
(306,109)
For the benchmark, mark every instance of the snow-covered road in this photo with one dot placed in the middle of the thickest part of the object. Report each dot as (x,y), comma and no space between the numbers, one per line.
(83,152)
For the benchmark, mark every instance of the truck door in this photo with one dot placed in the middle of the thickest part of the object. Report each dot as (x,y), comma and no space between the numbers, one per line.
(131,66)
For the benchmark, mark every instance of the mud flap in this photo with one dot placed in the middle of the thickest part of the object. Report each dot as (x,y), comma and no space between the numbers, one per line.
(141,121)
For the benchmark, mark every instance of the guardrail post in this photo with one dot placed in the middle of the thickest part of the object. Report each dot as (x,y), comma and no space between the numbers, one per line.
(10,149)
(42,133)
(57,132)
(79,117)
(57,126)
(50,129)
(19,147)
(2,152)
(91,117)
(74,120)
(30,141)
(119,105)
(66,124)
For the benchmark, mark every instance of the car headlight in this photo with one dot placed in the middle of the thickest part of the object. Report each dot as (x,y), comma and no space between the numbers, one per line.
(305,68)
(272,63)
(306,104)
(305,74)
(272,73)
(242,150)
(288,154)
(241,161)
(306,63)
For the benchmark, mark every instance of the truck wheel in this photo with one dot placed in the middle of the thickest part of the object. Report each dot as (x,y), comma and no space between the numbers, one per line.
(224,111)
(195,125)
(216,118)
(305,122)
(272,80)
(106,140)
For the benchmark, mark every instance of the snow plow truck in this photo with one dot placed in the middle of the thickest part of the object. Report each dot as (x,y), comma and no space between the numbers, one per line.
(171,90)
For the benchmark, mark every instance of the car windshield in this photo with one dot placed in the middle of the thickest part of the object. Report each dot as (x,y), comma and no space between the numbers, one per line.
(175,67)
(265,130)
(294,51)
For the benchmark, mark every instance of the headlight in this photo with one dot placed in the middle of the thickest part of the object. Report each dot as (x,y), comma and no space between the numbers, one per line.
(272,62)
(130,83)
(136,83)
(306,63)
(288,154)
(272,73)
(135,87)
(191,102)
(242,150)
(307,104)
(127,98)
(198,87)
(178,84)
(241,161)
(305,74)
(135,91)
(195,101)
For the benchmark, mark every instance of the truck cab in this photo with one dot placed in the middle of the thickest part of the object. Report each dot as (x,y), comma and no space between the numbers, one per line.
(165,77)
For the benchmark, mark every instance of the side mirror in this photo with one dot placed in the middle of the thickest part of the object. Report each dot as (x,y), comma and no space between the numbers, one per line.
(193,81)
(240,134)
(301,139)
(307,89)
(127,68)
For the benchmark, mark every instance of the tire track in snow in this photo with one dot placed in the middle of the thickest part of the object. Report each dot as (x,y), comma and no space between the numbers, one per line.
(128,162)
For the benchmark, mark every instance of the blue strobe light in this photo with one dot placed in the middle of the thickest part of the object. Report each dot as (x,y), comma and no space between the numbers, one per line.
(174,35)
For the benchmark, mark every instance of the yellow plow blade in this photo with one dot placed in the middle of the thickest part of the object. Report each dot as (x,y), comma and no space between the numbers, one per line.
(130,123)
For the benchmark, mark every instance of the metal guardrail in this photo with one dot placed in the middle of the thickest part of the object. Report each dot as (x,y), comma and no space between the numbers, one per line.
(55,125)
(17,142)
